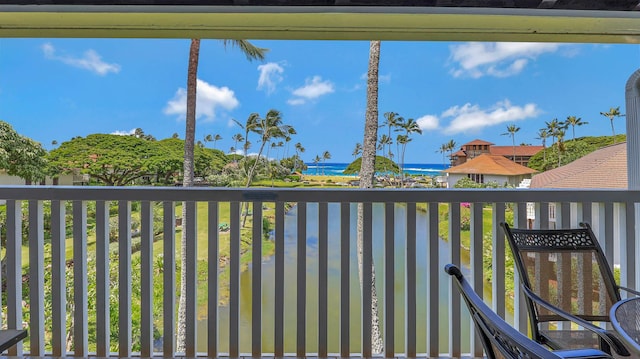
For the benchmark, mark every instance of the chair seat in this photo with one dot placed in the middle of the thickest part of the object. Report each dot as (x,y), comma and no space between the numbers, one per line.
(572,339)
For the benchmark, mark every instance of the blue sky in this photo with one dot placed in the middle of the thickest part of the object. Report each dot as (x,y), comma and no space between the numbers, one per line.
(55,89)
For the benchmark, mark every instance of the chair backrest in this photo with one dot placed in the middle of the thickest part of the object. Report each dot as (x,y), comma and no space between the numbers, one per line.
(499,339)
(565,267)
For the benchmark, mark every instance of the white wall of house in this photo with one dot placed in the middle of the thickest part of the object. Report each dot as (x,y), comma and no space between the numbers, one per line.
(452,178)
(7,180)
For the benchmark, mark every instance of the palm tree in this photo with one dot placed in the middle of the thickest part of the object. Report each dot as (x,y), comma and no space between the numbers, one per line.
(451,145)
(574,121)
(268,128)
(316,160)
(392,120)
(236,138)
(552,129)
(367,172)
(299,150)
(542,135)
(251,122)
(208,138)
(287,139)
(356,151)
(402,141)
(216,138)
(386,141)
(561,146)
(325,156)
(252,53)
(611,115)
(511,131)
(443,149)
(175,135)
(409,126)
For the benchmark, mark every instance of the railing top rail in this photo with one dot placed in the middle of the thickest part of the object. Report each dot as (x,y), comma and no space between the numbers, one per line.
(187,19)
(70,193)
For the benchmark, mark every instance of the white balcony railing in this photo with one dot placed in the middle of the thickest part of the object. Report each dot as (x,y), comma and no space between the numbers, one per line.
(301,299)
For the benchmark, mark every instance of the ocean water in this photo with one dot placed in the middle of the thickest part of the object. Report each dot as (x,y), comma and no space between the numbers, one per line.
(335,169)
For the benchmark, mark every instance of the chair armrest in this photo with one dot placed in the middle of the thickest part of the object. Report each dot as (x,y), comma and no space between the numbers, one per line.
(582,354)
(613,342)
(632,291)
(10,337)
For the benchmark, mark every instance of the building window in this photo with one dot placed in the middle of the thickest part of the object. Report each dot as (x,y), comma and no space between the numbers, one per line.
(477,178)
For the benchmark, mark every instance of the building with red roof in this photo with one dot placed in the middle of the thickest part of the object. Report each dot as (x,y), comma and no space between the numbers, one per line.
(487,168)
(518,154)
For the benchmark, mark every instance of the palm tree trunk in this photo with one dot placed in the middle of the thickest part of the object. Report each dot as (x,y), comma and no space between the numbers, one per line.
(249,180)
(187,181)
(367,172)
(613,131)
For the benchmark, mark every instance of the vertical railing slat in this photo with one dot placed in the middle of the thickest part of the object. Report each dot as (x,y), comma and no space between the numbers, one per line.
(36,277)
(256,283)
(191,228)
(301,280)
(323,267)
(124,278)
(146,279)
(520,318)
(585,288)
(410,283)
(433,291)
(80,321)
(498,260)
(476,264)
(169,278)
(454,297)
(279,282)
(542,212)
(389,280)
(565,215)
(609,232)
(234,280)
(344,279)
(212,268)
(59,284)
(367,268)
(630,246)
(14,270)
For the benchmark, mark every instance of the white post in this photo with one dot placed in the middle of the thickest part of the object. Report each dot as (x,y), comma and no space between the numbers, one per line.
(633,130)
(632,95)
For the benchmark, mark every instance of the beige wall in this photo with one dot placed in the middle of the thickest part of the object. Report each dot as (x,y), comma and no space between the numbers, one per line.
(452,178)
(7,180)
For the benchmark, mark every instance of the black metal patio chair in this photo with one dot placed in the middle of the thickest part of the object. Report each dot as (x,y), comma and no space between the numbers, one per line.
(569,287)
(499,339)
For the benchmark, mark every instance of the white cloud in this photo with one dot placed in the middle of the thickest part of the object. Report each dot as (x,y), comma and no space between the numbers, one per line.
(312,89)
(270,76)
(428,122)
(91,60)
(208,99)
(499,59)
(471,118)
(296,101)
(124,133)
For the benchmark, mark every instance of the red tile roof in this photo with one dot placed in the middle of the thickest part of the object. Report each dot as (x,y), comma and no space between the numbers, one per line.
(491,165)
(477,142)
(520,150)
(604,168)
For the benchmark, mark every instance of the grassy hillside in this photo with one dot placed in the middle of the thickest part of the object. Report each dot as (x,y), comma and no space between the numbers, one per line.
(570,151)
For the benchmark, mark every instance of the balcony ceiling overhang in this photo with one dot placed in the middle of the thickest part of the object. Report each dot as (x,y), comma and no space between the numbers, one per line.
(605,21)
